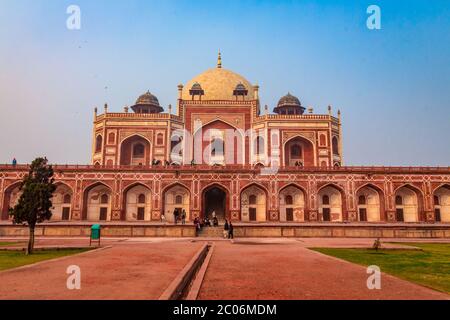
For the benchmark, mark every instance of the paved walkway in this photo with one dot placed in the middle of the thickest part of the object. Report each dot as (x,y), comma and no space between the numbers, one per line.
(142,268)
(290,271)
(125,271)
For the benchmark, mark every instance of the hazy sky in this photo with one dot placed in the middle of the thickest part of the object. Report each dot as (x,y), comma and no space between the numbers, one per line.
(392,85)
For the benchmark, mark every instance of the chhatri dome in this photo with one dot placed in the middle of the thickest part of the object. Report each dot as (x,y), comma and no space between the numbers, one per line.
(147,103)
(218,84)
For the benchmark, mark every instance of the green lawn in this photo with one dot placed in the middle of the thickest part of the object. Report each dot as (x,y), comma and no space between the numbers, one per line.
(429,267)
(13,259)
(3,244)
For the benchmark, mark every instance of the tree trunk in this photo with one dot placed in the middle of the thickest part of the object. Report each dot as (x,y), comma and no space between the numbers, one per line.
(31,241)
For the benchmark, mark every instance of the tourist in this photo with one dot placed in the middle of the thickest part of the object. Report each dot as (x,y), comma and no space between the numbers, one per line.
(230,231)
(183,217)
(226,229)
(14,162)
(175,215)
(163,218)
(215,222)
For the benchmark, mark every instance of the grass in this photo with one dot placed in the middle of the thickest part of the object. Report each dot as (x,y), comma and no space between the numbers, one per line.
(429,267)
(3,244)
(14,259)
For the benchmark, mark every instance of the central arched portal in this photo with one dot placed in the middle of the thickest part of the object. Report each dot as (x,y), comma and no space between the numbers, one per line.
(215,200)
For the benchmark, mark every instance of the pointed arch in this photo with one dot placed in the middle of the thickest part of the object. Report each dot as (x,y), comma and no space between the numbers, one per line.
(132,143)
(62,201)
(374,209)
(219,129)
(411,208)
(335,208)
(8,192)
(306,148)
(215,198)
(441,203)
(136,202)
(254,211)
(170,194)
(292,203)
(89,210)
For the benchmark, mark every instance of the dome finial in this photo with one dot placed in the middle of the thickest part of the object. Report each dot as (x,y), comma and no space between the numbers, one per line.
(219,60)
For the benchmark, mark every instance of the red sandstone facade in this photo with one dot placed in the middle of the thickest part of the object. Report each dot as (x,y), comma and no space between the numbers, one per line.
(221,153)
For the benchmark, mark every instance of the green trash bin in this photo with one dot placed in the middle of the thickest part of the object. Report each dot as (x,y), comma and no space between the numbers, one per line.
(95,233)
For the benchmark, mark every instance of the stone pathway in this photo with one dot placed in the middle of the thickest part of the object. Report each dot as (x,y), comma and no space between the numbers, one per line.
(142,268)
(291,271)
(124,271)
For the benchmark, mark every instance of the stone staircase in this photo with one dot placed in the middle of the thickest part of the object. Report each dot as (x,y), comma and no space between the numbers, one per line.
(211,232)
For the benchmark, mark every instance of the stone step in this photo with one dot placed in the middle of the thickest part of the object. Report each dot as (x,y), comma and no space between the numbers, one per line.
(211,232)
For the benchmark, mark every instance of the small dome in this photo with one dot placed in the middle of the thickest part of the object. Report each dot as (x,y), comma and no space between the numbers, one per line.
(196,86)
(289,104)
(240,87)
(289,101)
(147,103)
(147,99)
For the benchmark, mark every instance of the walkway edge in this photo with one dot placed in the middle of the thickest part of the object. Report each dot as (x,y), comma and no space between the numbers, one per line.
(177,286)
(198,281)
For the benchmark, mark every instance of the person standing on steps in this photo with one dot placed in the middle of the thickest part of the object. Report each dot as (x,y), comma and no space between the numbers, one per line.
(226,229)
(175,216)
(230,231)
(183,217)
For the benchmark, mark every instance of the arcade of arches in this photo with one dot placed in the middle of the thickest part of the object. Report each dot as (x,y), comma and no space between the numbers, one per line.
(291,203)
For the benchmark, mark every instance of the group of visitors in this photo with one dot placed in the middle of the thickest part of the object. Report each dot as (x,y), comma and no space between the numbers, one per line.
(298,164)
(178,216)
(206,222)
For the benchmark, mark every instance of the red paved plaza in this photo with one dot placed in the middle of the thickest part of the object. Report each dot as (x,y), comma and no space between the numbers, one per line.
(245,269)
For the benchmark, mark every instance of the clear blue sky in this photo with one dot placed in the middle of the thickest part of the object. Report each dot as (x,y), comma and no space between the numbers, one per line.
(392,85)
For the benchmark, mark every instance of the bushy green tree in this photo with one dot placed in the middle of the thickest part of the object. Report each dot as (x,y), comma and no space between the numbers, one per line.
(35,203)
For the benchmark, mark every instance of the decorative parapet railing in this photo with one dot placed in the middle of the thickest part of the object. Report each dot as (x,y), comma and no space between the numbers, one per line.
(137,116)
(219,102)
(321,117)
(241,168)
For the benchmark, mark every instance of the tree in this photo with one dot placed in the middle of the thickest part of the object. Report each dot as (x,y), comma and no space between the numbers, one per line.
(36,200)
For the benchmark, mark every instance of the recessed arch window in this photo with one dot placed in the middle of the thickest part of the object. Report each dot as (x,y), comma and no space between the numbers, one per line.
(252,199)
(141,198)
(104,199)
(362,200)
(323,140)
(179,199)
(399,200)
(67,198)
(436,201)
(289,200)
(159,139)
(217,148)
(176,145)
(138,150)
(111,138)
(326,200)
(98,143)
(296,151)
(259,145)
(335,146)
